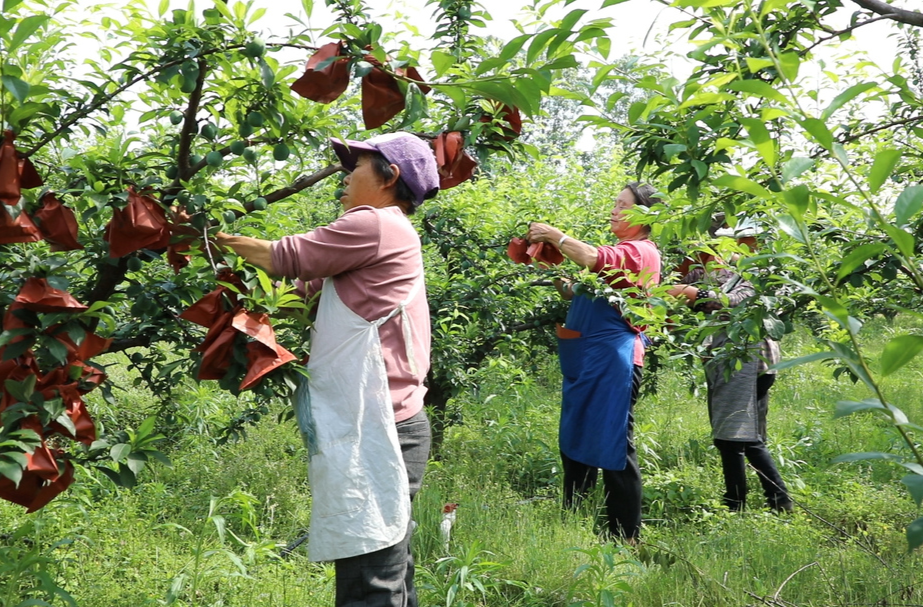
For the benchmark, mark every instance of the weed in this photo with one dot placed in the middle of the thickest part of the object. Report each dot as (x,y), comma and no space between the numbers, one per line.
(602,582)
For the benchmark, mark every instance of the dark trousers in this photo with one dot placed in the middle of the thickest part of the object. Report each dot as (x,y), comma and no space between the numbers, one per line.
(623,487)
(384,578)
(755,452)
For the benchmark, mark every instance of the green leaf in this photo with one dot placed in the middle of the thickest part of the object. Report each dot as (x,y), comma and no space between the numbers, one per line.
(819,131)
(136,462)
(789,63)
(146,428)
(902,239)
(755,64)
(67,423)
(761,138)
(914,484)
(25,29)
(612,2)
(795,168)
(441,61)
(571,19)
(11,470)
(539,42)
(792,227)
(21,390)
(164,7)
(797,199)
(18,88)
(857,257)
(794,362)
(884,163)
(833,306)
(848,407)
(900,351)
(672,149)
(57,350)
(742,184)
(509,49)
(266,74)
(845,97)
(908,204)
(840,153)
(120,451)
(915,534)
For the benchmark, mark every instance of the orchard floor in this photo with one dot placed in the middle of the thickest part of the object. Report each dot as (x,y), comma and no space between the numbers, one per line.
(209,530)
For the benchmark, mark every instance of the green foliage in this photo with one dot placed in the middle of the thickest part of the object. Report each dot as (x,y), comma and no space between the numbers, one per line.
(29,572)
(194,108)
(748,136)
(601,582)
(466,580)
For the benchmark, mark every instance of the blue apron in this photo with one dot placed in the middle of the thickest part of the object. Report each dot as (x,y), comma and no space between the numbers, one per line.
(597,369)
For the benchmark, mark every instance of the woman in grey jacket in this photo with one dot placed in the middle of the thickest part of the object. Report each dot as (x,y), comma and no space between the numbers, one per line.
(737,405)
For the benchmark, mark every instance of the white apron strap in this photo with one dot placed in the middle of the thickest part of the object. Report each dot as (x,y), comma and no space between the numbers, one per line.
(405,322)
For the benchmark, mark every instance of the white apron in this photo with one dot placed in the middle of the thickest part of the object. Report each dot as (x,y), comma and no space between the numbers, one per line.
(359,488)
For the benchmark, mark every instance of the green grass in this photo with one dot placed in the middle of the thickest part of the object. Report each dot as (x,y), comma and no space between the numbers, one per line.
(161,542)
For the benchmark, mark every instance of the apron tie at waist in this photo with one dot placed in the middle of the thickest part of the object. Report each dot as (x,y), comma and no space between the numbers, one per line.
(406,324)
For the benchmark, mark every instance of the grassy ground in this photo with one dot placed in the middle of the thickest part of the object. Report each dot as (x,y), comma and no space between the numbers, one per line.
(208,530)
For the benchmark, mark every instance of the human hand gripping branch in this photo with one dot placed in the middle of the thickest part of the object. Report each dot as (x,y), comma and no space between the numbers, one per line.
(255,251)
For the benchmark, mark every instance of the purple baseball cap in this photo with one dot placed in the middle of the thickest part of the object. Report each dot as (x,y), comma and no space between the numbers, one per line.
(412,155)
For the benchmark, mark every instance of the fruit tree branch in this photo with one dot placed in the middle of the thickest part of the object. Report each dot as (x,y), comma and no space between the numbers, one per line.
(900,15)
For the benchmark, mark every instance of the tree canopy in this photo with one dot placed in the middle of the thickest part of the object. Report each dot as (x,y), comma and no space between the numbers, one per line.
(201,109)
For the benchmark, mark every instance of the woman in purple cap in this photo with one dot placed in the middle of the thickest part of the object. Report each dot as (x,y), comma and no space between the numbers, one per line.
(361,412)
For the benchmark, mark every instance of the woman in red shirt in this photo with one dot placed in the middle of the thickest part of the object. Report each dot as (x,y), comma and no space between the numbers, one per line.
(601,357)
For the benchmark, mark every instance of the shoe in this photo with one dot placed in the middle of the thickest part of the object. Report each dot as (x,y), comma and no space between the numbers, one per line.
(787,507)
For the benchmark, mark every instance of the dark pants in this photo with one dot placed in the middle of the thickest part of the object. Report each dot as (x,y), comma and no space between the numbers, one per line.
(755,452)
(384,578)
(623,487)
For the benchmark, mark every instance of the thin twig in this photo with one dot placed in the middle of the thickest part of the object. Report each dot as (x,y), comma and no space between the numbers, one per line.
(838,33)
(775,597)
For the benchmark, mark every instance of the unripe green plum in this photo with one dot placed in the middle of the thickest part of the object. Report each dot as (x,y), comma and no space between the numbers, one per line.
(255,119)
(209,131)
(214,159)
(280,152)
(254,48)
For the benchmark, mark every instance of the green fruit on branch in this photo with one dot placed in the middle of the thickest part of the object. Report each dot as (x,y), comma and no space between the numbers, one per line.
(176,117)
(230,216)
(250,155)
(238,147)
(244,130)
(260,204)
(255,48)
(281,152)
(214,159)
(255,119)
(134,264)
(195,159)
(172,172)
(209,131)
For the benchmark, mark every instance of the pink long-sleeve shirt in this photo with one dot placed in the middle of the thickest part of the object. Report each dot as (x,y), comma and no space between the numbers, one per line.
(374,256)
(629,263)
